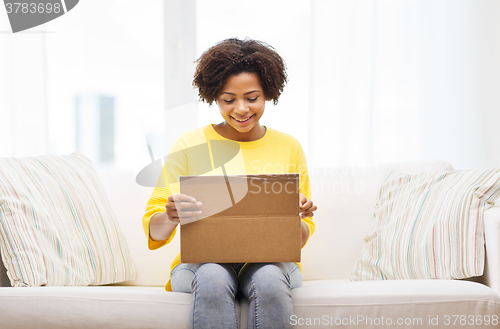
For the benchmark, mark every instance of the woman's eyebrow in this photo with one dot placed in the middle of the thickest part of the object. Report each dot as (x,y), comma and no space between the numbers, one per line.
(225,92)
(252,92)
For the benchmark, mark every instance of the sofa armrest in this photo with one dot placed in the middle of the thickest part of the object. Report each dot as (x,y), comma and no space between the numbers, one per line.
(492,241)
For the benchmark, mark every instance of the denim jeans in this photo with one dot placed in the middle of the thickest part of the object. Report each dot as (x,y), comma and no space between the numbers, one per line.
(215,288)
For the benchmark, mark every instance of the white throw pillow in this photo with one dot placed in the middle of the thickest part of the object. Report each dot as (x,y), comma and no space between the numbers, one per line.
(56,227)
(429,226)
(346,197)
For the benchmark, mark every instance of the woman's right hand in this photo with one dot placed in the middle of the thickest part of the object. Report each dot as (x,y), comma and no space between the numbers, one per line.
(183,209)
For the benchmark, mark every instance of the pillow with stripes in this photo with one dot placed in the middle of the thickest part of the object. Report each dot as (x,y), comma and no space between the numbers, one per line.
(429,226)
(56,225)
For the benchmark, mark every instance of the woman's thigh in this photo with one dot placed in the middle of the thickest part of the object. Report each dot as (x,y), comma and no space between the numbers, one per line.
(270,274)
(185,276)
(182,276)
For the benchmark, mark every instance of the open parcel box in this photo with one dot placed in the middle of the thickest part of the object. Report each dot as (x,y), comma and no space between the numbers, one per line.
(245,219)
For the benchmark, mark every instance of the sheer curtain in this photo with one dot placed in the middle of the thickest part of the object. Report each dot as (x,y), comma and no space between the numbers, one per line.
(23,94)
(370,81)
(405,80)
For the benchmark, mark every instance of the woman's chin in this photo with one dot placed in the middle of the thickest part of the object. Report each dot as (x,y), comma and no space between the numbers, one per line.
(243,128)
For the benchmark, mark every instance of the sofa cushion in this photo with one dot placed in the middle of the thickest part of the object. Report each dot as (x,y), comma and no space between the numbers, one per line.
(429,226)
(56,227)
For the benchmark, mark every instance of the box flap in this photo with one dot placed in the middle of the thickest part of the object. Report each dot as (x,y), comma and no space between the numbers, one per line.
(244,195)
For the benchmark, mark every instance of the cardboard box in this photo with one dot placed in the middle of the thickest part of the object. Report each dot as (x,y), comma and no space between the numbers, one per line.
(245,219)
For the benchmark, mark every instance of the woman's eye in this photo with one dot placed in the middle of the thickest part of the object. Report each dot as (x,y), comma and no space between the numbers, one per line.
(229,101)
(253,99)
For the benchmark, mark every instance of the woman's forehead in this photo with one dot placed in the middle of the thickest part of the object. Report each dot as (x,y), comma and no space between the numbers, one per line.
(243,82)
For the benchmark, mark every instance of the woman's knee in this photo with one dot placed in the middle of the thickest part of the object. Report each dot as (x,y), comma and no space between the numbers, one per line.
(267,280)
(216,278)
(182,277)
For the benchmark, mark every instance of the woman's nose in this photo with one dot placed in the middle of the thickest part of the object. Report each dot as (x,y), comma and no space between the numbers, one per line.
(241,107)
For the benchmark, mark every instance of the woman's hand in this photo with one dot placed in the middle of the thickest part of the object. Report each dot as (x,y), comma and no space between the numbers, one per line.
(306,207)
(306,210)
(180,208)
(183,209)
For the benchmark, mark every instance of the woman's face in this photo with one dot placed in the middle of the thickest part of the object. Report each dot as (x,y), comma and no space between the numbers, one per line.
(241,103)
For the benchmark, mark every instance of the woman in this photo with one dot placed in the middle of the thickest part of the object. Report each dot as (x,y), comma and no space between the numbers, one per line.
(239,76)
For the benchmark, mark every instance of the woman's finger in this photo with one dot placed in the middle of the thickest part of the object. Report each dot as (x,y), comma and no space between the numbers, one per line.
(188,206)
(305,215)
(306,205)
(187,220)
(185,214)
(308,212)
(182,202)
(302,199)
(310,209)
(179,197)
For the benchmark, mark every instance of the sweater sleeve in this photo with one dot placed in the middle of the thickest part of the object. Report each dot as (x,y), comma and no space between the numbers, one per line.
(304,186)
(168,183)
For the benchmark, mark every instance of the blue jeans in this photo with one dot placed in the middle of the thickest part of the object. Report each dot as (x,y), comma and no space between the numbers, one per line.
(215,289)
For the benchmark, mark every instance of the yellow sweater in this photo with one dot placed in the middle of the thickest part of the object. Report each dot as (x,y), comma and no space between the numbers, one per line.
(274,153)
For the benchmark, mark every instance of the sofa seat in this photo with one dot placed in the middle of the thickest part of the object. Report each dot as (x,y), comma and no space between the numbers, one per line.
(363,304)
(93,307)
(323,303)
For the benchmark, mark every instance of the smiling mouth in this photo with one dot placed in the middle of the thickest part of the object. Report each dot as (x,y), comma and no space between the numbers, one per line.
(244,120)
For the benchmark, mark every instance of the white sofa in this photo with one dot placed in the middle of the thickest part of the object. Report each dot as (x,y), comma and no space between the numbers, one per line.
(345,197)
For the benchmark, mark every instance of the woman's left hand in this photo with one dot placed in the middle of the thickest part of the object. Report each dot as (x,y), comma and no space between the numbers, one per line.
(306,207)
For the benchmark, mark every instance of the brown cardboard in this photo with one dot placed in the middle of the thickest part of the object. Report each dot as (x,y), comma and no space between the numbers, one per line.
(246,218)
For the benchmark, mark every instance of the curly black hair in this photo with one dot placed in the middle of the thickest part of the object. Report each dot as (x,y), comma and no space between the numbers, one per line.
(234,56)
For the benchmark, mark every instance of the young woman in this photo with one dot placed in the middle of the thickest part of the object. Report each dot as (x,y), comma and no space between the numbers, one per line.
(239,76)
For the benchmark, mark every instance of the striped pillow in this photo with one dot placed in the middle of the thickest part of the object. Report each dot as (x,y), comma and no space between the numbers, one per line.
(429,226)
(56,226)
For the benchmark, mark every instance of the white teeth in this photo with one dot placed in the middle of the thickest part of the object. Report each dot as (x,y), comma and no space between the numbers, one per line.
(242,120)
